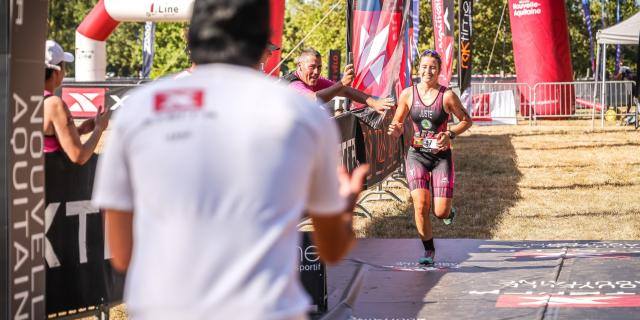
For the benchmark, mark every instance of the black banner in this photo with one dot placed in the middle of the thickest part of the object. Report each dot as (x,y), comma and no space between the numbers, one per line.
(22,160)
(347,126)
(381,151)
(465,52)
(334,65)
(78,272)
(313,274)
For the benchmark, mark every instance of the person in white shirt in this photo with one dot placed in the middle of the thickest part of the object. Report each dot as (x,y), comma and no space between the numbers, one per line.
(204,179)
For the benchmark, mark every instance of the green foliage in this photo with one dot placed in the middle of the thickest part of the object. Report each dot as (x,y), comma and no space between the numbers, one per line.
(124,46)
(301,16)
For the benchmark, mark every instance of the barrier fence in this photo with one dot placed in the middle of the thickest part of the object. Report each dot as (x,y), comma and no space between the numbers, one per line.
(510,103)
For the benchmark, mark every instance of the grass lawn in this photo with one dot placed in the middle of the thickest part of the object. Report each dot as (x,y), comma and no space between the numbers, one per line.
(558,180)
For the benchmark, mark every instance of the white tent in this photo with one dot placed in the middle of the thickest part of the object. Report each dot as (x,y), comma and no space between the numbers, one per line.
(626,32)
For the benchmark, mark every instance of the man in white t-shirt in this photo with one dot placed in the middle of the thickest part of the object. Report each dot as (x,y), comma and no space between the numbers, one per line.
(203,181)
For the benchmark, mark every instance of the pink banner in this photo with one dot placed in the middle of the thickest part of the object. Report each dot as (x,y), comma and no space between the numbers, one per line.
(442,11)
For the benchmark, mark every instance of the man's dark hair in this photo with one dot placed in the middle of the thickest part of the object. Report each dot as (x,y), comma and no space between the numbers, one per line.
(229,31)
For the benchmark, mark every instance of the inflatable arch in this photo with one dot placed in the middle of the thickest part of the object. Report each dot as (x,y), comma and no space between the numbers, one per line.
(91,35)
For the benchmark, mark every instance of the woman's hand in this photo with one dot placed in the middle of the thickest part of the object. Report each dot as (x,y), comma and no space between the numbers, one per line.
(395,129)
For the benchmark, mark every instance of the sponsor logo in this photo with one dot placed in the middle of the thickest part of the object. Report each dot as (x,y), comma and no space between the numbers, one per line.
(535,301)
(83,102)
(426,124)
(162,9)
(179,100)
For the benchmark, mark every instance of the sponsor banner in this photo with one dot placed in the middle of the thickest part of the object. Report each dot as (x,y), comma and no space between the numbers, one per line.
(334,65)
(78,272)
(465,54)
(557,301)
(587,19)
(148,51)
(22,289)
(313,274)
(84,100)
(346,123)
(378,29)
(443,12)
(381,151)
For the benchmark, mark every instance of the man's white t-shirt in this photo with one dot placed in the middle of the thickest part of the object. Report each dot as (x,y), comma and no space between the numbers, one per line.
(218,168)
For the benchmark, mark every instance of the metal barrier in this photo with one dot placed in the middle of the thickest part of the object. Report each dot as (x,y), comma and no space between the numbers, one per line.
(564,100)
(484,109)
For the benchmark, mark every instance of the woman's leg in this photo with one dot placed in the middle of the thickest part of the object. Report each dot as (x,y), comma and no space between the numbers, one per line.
(421,206)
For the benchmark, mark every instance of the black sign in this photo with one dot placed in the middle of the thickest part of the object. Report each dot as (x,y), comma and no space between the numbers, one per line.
(334,65)
(23,160)
(381,151)
(313,274)
(78,272)
(347,127)
(465,52)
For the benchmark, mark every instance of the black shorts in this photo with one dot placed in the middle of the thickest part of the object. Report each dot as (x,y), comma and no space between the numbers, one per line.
(425,167)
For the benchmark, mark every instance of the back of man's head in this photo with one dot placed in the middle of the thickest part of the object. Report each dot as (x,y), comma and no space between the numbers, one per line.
(229,31)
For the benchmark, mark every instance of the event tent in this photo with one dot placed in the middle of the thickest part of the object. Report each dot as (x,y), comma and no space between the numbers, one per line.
(626,32)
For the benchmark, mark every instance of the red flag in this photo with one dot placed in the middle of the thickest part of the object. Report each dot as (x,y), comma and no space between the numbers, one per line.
(379,46)
(442,12)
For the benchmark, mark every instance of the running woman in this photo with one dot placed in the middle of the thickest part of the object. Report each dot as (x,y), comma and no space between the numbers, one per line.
(429,160)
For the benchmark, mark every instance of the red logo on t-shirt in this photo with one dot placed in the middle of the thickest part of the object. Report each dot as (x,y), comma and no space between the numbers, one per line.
(179,100)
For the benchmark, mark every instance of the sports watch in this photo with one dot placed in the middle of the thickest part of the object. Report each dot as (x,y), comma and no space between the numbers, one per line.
(451,134)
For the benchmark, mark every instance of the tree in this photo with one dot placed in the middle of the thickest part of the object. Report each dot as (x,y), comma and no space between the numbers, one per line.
(124,46)
(300,18)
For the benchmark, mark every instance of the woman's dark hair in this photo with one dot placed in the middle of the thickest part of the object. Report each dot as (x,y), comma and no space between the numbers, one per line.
(48,72)
(229,31)
(433,54)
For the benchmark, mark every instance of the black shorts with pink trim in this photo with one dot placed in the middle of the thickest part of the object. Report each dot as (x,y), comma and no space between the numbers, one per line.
(424,168)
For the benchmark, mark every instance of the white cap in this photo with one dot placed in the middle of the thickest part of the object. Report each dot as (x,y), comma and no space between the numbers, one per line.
(54,54)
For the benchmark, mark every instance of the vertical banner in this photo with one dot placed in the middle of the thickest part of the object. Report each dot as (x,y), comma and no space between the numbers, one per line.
(617,66)
(442,12)
(378,36)
(540,31)
(22,160)
(277,24)
(334,65)
(378,45)
(465,53)
(148,42)
(587,20)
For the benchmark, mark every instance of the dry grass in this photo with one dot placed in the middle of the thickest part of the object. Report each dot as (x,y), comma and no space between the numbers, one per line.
(559,180)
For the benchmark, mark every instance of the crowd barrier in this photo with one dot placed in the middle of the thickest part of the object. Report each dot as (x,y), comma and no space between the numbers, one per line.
(510,103)
(79,275)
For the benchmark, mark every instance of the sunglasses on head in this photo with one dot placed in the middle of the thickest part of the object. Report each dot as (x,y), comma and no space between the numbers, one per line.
(431,52)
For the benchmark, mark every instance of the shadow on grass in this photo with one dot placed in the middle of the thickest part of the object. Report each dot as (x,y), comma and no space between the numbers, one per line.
(487,179)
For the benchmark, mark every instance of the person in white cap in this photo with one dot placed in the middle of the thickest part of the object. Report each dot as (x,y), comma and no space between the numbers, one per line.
(61,136)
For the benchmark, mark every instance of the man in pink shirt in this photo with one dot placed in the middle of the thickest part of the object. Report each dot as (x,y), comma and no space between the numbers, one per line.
(307,80)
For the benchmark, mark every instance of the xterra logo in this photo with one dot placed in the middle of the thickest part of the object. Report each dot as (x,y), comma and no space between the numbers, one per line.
(85,102)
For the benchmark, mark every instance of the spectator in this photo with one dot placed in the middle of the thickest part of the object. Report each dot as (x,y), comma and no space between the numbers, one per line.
(307,80)
(60,131)
(188,177)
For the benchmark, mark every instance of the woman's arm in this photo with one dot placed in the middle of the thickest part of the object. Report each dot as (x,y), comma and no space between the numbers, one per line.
(405,100)
(452,105)
(68,134)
